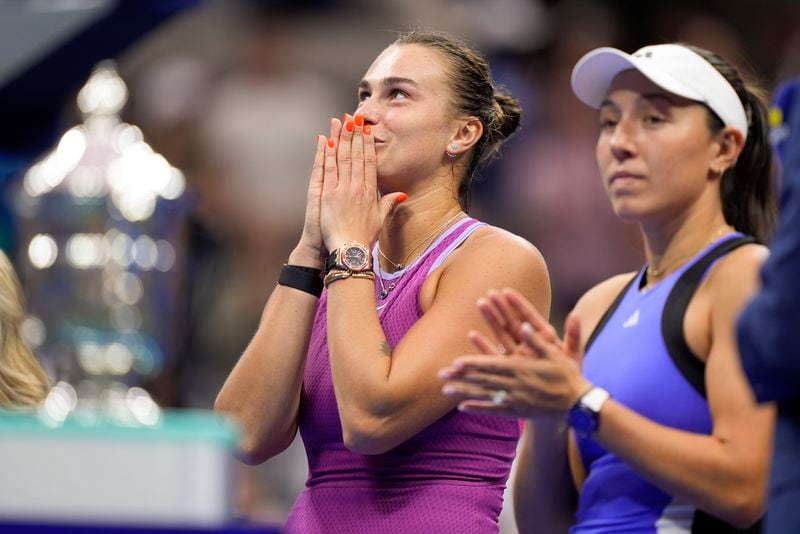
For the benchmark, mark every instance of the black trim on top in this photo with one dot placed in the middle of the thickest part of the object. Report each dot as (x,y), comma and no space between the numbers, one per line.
(690,366)
(705,523)
(607,315)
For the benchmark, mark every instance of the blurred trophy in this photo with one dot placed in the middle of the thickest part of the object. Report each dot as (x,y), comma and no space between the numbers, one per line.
(103,232)
(102,236)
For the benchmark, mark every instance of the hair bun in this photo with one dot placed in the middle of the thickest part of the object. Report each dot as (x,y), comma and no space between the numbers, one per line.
(507,114)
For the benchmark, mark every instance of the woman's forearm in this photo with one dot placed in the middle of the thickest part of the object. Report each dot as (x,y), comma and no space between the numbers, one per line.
(544,494)
(701,469)
(262,393)
(361,359)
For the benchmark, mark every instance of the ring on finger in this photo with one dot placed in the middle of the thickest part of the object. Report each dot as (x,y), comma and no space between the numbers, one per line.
(500,397)
(501,349)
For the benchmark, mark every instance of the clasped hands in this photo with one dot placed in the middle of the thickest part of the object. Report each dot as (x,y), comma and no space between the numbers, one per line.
(343,202)
(539,372)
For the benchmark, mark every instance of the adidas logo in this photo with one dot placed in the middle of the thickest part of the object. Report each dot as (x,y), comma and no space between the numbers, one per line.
(633,320)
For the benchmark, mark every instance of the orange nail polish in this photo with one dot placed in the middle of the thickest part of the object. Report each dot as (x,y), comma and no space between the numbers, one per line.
(402,198)
(348,126)
(359,119)
(367,129)
(330,143)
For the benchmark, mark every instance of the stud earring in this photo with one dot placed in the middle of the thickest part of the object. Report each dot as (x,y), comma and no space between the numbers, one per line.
(451,151)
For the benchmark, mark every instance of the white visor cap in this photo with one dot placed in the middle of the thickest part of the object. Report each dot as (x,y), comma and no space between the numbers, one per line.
(672,67)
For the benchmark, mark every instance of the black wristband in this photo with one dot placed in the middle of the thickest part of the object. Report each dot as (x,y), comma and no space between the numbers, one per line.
(302,278)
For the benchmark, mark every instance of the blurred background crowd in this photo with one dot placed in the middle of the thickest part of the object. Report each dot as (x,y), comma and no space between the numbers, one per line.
(232,94)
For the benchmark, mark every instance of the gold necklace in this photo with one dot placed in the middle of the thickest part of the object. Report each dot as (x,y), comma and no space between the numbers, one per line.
(386,289)
(658,273)
(399,266)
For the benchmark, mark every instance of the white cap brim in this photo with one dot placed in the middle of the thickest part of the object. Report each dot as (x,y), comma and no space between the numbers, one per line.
(674,68)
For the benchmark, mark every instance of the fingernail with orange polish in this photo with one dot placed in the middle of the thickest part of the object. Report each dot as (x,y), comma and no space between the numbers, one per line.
(402,198)
(348,126)
(330,143)
(359,119)
(367,129)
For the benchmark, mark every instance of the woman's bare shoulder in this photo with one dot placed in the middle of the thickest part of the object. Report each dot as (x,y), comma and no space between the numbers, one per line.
(493,258)
(492,241)
(594,303)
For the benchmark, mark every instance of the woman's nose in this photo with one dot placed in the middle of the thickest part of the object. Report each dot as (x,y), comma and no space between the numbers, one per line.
(622,141)
(369,110)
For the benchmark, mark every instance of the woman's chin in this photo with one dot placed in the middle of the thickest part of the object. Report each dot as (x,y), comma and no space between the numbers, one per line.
(388,181)
(629,213)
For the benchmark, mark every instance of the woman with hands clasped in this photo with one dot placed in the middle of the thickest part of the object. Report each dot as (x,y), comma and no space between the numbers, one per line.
(666,434)
(355,367)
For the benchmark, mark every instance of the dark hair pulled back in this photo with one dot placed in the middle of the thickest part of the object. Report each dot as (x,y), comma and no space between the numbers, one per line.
(474,94)
(748,187)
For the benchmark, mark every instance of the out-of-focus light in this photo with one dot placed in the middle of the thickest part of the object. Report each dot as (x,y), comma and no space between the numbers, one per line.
(128,288)
(145,252)
(157,174)
(105,93)
(33,331)
(52,172)
(137,177)
(85,250)
(86,182)
(136,207)
(90,358)
(34,183)
(119,359)
(142,406)
(70,149)
(60,401)
(126,135)
(129,169)
(166,255)
(145,361)
(42,251)
(115,405)
(79,251)
(121,245)
(175,186)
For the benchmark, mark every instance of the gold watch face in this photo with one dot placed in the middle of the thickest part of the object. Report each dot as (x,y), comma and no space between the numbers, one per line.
(355,257)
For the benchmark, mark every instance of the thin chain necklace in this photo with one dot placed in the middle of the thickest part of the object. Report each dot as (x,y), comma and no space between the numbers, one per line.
(386,289)
(658,273)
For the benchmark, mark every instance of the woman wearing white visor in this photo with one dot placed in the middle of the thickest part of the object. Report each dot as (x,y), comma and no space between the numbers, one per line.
(665,433)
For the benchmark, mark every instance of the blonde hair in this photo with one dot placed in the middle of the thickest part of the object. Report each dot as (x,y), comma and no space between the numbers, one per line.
(22,380)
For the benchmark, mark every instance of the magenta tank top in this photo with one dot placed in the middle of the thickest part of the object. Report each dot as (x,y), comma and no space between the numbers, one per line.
(448,478)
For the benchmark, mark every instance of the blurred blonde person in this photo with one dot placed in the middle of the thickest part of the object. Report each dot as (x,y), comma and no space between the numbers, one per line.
(22,380)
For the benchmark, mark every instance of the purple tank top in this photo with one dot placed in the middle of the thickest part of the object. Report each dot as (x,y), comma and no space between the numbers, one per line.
(448,478)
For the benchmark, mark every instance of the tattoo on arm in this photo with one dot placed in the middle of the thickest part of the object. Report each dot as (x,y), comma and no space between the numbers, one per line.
(386,350)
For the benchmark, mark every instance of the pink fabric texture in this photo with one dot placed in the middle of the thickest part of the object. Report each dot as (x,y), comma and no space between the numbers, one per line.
(448,478)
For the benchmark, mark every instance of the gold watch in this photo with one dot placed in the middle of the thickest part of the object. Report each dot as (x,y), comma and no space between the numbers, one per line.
(353,257)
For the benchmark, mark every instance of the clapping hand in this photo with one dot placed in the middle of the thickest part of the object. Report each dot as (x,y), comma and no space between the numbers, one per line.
(527,371)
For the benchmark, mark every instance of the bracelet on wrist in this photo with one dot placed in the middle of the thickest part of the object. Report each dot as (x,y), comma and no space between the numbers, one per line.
(306,279)
(341,274)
